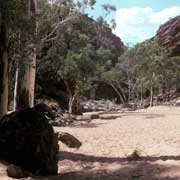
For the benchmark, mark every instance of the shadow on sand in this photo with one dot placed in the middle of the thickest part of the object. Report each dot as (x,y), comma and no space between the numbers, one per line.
(145,168)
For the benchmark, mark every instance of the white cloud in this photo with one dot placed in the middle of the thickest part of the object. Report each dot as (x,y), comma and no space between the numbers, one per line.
(164,15)
(137,24)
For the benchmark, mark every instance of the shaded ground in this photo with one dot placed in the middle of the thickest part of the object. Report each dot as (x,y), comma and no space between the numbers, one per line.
(154,132)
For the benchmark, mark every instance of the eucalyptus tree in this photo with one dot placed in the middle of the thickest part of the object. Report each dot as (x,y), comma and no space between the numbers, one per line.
(71,44)
(147,67)
(152,64)
(59,12)
(26,70)
(10,11)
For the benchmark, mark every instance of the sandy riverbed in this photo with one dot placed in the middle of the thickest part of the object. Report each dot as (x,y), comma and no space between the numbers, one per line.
(154,132)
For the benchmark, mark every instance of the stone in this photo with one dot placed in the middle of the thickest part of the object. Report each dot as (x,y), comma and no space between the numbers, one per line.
(17,172)
(69,140)
(86,118)
(94,116)
(177,103)
(28,140)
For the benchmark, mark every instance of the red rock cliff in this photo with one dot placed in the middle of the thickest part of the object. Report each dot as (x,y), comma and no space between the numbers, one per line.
(169,36)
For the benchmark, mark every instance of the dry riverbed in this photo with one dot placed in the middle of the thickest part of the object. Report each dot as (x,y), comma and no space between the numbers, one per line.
(153,132)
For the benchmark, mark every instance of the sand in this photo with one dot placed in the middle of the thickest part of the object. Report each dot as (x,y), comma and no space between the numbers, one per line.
(153,132)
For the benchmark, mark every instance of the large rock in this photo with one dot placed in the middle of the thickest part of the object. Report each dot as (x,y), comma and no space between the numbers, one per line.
(28,140)
(69,140)
(169,36)
(17,172)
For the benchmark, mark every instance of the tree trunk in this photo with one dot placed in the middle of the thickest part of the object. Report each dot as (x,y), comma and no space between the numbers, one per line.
(141,96)
(151,94)
(24,95)
(158,100)
(169,92)
(129,90)
(122,93)
(71,102)
(15,88)
(177,84)
(71,88)
(4,66)
(118,93)
(70,105)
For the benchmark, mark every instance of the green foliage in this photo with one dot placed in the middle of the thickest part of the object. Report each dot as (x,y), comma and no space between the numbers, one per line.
(76,52)
(147,66)
(79,51)
(10,11)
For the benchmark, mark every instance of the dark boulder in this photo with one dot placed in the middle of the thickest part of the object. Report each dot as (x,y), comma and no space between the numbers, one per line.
(17,172)
(28,140)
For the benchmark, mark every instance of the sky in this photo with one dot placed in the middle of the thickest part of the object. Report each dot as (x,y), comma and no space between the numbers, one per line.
(138,20)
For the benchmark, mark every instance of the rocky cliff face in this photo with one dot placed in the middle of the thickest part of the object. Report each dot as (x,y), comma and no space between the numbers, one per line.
(169,36)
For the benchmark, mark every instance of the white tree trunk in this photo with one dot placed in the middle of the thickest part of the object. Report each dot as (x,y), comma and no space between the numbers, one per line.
(71,103)
(118,93)
(141,104)
(151,94)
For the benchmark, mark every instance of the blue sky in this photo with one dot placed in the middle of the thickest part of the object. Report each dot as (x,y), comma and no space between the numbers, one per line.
(138,20)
